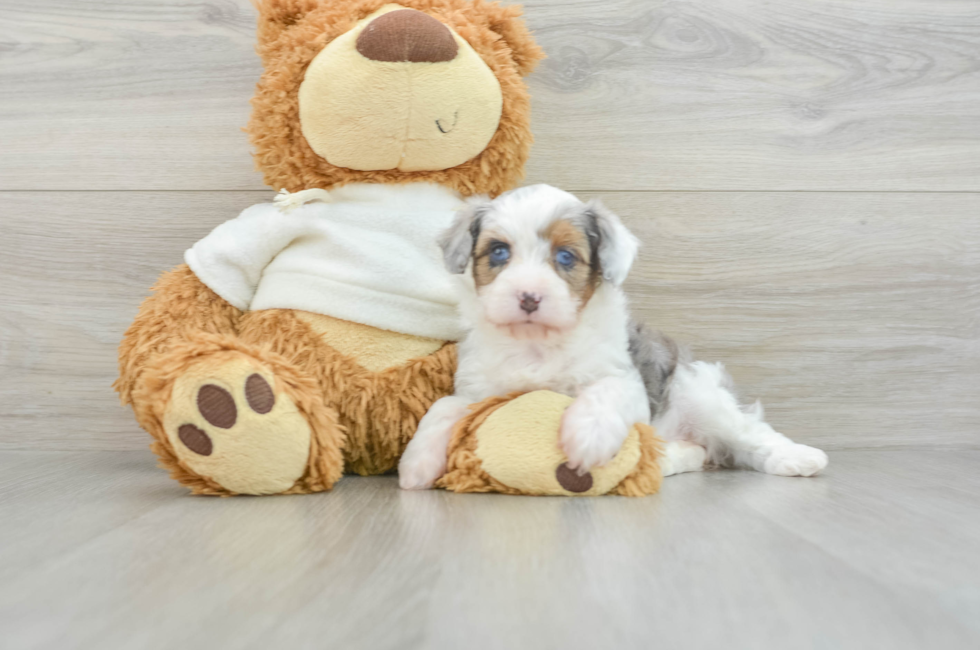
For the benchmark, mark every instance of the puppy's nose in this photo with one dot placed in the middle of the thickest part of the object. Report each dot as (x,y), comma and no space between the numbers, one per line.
(407,35)
(530,302)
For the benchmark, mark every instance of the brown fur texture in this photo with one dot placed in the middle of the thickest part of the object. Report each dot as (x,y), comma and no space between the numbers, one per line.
(379,410)
(367,416)
(464,469)
(292,32)
(647,476)
(465,473)
(152,397)
(181,306)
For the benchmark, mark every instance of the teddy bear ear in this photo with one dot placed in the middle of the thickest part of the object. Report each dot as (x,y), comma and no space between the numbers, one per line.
(275,16)
(507,22)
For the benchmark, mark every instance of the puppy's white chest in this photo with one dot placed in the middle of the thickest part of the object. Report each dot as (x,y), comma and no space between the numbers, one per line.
(538,377)
(525,370)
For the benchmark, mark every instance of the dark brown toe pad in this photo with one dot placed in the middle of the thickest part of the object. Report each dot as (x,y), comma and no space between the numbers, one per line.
(569,479)
(217,406)
(259,394)
(195,439)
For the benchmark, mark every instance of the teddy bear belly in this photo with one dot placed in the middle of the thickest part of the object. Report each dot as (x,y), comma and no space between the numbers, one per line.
(380,383)
(372,348)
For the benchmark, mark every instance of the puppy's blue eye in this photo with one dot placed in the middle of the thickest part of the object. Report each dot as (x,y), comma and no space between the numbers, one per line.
(499,254)
(565,258)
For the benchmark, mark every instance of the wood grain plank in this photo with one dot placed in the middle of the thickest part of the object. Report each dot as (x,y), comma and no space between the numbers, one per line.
(727,558)
(854,317)
(753,94)
(126,94)
(636,94)
(70,288)
(56,502)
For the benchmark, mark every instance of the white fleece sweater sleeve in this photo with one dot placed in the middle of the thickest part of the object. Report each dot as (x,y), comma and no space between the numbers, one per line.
(232,258)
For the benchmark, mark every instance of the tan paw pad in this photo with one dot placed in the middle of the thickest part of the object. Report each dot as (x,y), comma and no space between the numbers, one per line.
(227,423)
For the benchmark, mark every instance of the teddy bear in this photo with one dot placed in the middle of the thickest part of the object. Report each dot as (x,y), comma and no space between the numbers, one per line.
(307,337)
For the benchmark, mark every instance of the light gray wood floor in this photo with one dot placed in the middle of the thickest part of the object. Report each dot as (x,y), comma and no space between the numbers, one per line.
(100,550)
(805,176)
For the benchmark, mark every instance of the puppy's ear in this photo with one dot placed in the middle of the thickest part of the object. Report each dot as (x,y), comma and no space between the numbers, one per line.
(616,246)
(458,241)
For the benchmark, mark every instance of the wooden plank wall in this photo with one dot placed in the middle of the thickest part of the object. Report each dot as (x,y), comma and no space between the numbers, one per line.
(805,176)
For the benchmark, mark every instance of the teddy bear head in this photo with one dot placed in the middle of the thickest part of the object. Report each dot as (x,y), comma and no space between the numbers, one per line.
(382,92)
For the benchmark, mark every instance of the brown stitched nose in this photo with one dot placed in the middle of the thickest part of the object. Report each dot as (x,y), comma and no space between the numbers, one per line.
(530,302)
(407,35)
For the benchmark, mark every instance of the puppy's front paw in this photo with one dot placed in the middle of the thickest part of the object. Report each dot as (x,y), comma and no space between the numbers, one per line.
(591,435)
(795,460)
(419,468)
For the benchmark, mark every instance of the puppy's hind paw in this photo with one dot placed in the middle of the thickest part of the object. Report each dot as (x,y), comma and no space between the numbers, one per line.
(795,460)
(420,470)
(682,456)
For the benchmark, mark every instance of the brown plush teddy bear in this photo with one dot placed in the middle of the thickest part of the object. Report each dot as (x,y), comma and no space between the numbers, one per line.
(307,337)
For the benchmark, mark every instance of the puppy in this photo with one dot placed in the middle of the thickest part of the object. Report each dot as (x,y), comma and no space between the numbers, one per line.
(543,308)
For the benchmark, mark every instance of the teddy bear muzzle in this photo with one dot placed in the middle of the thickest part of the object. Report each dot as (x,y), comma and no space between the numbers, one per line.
(400,91)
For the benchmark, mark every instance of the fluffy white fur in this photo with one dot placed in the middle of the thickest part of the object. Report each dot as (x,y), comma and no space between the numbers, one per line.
(583,352)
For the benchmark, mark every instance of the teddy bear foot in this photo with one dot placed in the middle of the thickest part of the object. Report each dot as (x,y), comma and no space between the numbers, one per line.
(511,445)
(230,422)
